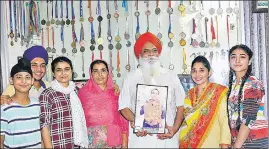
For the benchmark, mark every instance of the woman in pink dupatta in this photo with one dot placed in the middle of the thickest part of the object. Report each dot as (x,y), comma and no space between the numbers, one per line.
(106,127)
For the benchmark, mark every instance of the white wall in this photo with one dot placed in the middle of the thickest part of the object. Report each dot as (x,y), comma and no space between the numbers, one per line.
(220,66)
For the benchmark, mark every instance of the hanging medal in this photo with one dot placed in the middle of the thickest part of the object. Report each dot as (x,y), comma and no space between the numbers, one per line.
(182,35)
(236,9)
(181,8)
(62,39)
(109,37)
(48,40)
(24,24)
(127,35)
(15,20)
(212,44)
(62,16)
(28,22)
(211,10)
(206,44)
(229,9)
(43,21)
(217,25)
(67,16)
(100,40)
(38,20)
(157,12)
(82,41)
(18,19)
(219,10)
(11,34)
(147,14)
(194,43)
(170,34)
(53,50)
(58,22)
(52,21)
(201,43)
(74,37)
(117,38)
(137,33)
(90,19)
(184,66)
(48,21)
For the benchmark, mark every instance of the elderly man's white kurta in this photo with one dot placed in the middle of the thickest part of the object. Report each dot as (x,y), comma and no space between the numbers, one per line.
(176,97)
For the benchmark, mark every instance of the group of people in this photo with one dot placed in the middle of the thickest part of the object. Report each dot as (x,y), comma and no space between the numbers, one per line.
(35,113)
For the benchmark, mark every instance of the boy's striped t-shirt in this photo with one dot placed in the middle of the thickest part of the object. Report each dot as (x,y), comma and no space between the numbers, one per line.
(20,125)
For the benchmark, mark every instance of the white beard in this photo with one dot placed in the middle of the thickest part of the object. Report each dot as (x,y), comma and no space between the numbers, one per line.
(150,68)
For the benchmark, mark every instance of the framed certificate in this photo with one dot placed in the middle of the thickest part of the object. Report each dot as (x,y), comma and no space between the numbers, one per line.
(150,108)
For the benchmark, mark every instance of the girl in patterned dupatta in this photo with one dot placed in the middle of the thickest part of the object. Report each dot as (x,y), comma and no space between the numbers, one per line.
(249,127)
(205,124)
(106,127)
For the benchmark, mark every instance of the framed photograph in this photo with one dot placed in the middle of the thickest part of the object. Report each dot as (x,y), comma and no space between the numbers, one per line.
(150,108)
(259,6)
(186,82)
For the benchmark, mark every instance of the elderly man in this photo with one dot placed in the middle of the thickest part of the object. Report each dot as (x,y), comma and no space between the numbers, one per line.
(38,57)
(147,49)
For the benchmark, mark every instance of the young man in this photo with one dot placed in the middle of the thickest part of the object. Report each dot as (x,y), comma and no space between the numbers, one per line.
(38,57)
(20,126)
(147,50)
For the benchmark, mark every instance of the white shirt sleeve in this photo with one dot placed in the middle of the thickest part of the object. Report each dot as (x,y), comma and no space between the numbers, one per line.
(179,91)
(125,95)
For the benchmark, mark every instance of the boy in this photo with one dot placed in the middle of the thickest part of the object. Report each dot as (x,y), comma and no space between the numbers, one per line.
(20,127)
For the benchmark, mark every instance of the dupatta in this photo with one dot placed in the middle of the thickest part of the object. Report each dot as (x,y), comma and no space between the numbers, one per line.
(200,113)
(101,109)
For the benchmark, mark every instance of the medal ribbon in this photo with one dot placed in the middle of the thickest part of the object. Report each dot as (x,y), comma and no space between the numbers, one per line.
(66,3)
(56,9)
(137,18)
(212,30)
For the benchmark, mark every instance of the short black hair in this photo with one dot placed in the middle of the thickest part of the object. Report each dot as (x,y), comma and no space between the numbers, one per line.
(60,59)
(203,60)
(23,65)
(98,62)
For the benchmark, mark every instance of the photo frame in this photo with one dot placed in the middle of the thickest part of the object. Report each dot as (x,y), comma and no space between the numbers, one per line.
(150,108)
(259,6)
(186,81)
